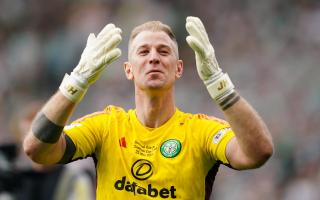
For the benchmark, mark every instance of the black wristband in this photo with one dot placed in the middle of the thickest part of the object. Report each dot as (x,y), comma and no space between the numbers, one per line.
(229,100)
(45,130)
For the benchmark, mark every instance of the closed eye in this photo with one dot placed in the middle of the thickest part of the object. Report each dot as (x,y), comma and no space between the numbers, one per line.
(164,53)
(143,52)
(164,50)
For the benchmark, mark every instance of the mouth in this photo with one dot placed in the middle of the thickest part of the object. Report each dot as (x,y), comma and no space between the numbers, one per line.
(154,71)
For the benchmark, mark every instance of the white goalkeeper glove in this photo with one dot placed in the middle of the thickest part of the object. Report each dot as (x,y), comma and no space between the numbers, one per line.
(219,85)
(99,52)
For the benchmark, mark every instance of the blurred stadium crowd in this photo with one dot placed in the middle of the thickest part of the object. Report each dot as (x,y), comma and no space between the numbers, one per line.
(270,49)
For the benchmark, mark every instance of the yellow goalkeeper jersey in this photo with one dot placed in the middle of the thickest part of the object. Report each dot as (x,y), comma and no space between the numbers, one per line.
(178,160)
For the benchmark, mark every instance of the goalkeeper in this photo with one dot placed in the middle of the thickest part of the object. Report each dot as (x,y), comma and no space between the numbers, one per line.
(154,151)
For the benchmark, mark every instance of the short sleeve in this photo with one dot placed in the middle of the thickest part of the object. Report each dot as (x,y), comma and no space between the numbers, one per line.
(217,143)
(217,133)
(87,133)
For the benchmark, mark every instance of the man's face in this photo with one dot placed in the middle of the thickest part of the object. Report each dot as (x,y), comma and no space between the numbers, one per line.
(153,61)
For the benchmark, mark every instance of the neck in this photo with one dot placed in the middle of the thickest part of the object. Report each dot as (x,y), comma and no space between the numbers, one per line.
(156,109)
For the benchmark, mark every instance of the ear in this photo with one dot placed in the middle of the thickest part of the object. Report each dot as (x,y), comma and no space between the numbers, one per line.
(179,69)
(128,70)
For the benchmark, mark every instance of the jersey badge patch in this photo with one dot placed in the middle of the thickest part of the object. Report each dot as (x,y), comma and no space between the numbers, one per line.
(70,126)
(170,148)
(217,137)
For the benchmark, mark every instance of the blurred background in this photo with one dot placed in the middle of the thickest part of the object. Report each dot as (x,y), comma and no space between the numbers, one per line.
(270,49)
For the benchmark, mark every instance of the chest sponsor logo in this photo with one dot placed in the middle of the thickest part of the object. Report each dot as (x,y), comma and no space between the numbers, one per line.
(142,169)
(170,148)
(126,185)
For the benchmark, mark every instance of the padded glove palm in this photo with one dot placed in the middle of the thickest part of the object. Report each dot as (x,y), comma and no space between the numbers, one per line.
(218,83)
(99,52)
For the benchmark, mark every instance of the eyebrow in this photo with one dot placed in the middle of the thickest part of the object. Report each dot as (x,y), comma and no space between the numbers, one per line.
(159,46)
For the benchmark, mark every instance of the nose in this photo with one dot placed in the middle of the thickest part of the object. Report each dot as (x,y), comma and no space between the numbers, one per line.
(154,57)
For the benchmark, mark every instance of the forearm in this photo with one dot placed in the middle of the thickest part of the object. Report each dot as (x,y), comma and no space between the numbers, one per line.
(252,145)
(58,109)
(44,143)
(252,135)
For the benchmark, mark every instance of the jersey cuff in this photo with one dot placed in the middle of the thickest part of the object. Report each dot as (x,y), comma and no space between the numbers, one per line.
(69,151)
(221,149)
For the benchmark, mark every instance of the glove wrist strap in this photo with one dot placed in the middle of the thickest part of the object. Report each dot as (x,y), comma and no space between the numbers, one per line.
(72,88)
(221,89)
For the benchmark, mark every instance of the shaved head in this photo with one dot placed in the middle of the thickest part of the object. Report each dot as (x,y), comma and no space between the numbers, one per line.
(153,26)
